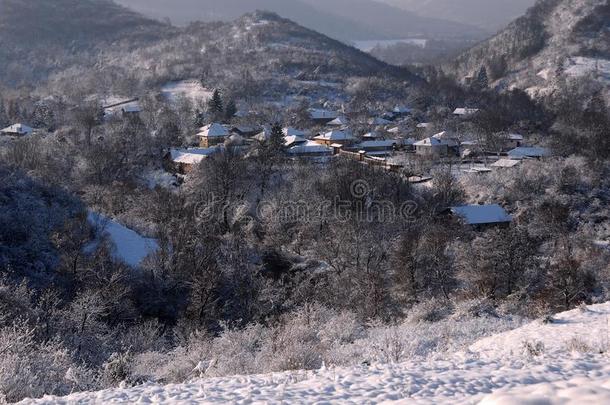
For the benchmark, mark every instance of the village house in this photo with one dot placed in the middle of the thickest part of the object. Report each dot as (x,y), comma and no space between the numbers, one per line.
(378,147)
(505,163)
(338,122)
(212,135)
(513,141)
(431,148)
(309,149)
(343,137)
(465,112)
(247,131)
(532,152)
(322,117)
(379,122)
(183,161)
(449,139)
(482,216)
(289,131)
(17,130)
(293,140)
(127,108)
(131,109)
(409,144)
(371,136)
(439,145)
(236,140)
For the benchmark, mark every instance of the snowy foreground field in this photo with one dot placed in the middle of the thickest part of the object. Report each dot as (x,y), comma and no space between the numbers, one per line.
(564,361)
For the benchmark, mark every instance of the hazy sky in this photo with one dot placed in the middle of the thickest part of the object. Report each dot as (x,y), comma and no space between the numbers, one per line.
(490,15)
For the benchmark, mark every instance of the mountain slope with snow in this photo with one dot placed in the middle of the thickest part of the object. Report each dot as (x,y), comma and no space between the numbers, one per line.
(38,37)
(555,39)
(559,362)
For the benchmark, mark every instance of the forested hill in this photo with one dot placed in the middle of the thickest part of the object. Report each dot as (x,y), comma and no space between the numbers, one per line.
(62,34)
(76,23)
(41,36)
(555,39)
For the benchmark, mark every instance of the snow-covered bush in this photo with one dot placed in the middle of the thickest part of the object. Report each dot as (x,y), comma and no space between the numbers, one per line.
(431,310)
(532,348)
(313,336)
(32,369)
(118,369)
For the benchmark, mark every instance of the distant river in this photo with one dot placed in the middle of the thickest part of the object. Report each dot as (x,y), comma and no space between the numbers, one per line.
(368,46)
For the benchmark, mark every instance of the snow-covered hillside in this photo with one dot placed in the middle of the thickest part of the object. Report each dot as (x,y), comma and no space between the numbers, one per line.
(561,361)
(555,39)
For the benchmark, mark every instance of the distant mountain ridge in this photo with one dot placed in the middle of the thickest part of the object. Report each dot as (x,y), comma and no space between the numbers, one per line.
(346,20)
(70,33)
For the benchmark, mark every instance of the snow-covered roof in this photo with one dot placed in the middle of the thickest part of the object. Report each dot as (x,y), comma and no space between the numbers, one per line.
(289,131)
(213,131)
(528,151)
(394,130)
(338,122)
(443,135)
(19,128)
(309,147)
(319,114)
(371,135)
(116,106)
(236,140)
(424,125)
(465,111)
(446,138)
(191,156)
(293,140)
(429,142)
(506,163)
(378,144)
(478,170)
(244,129)
(379,121)
(515,137)
(335,136)
(482,214)
(133,107)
